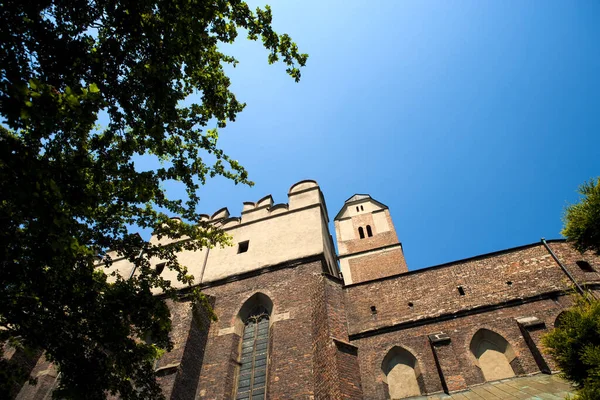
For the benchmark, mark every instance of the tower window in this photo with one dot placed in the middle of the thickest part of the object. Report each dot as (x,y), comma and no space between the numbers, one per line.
(253,363)
(373,310)
(585,266)
(369,231)
(160,268)
(243,246)
(361,232)
(461,291)
(357,210)
(361,208)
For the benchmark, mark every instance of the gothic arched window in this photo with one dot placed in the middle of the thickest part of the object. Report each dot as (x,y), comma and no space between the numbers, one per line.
(494,355)
(401,372)
(253,364)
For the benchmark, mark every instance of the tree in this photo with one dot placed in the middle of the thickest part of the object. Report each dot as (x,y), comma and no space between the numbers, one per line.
(582,220)
(575,346)
(70,190)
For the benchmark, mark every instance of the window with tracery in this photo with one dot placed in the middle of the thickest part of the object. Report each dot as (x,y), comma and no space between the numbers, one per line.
(253,364)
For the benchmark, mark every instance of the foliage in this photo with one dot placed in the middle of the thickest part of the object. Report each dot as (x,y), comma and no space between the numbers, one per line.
(69,191)
(582,220)
(575,346)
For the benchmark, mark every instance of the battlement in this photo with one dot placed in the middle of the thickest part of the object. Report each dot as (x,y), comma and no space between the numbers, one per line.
(302,194)
(266,234)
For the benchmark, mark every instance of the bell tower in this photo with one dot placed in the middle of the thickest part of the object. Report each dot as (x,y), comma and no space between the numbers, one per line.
(367,242)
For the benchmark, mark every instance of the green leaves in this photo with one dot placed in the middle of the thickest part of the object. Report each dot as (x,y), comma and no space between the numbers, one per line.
(575,346)
(69,191)
(582,220)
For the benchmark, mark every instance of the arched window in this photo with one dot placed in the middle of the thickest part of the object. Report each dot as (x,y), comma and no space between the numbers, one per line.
(361,232)
(494,355)
(369,231)
(253,325)
(361,208)
(401,372)
(357,210)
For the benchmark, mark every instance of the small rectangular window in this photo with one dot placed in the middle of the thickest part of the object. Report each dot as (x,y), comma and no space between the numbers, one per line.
(243,246)
(461,291)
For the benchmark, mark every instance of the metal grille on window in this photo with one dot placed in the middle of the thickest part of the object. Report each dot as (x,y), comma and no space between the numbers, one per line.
(255,344)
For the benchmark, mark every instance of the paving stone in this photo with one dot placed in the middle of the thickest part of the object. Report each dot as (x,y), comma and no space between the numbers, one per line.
(536,387)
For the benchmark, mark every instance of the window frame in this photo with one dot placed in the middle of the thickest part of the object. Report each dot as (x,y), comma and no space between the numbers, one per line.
(259,315)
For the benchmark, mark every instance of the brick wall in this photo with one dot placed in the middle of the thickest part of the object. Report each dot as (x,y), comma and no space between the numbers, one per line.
(456,362)
(294,293)
(336,367)
(326,341)
(46,373)
(493,279)
(178,371)
(377,265)
(569,257)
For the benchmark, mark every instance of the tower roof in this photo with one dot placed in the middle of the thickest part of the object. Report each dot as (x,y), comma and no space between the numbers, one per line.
(357,197)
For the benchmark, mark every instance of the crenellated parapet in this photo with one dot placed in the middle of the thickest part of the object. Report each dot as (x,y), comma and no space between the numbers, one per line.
(302,194)
(264,235)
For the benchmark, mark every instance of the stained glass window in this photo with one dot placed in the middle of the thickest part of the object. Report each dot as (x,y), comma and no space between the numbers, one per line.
(255,345)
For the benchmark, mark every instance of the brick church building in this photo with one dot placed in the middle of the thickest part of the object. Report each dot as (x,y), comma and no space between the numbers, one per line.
(296,320)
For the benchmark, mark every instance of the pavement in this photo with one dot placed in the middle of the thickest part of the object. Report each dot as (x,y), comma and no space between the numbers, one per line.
(536,387)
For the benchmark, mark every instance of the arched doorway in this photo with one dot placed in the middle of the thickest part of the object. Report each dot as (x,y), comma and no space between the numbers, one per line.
(401,372)
(494,355)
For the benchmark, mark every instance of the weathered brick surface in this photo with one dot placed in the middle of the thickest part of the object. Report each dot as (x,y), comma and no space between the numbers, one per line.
(46,373)
(376,265)
(569,256)
(533,337)
(456,360)
(378,239)
(348,372)
(432,292)
(22,359)
(326,341)
(179,370)
(297,297)
(374,257)
(336,368)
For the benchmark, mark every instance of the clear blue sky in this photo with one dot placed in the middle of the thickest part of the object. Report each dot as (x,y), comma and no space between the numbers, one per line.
(474,121)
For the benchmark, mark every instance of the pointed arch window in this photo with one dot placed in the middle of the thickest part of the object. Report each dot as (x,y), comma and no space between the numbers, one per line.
(494,355)
(255,348)
(401,373)
(361,232)
(369,231)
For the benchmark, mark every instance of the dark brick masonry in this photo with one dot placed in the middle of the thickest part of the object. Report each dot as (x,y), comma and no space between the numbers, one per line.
(328,341)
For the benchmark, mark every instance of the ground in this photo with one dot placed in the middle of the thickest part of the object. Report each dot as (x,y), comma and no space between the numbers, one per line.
(537,387)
